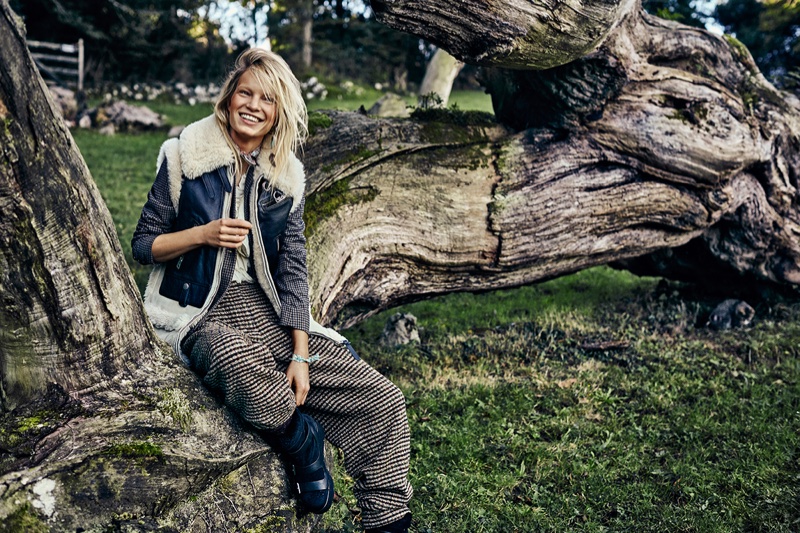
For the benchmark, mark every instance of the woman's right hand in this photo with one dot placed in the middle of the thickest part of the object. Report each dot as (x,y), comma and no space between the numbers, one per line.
(226,232)
(221,233)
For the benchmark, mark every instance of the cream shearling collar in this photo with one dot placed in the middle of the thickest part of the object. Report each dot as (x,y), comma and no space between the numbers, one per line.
(202,148)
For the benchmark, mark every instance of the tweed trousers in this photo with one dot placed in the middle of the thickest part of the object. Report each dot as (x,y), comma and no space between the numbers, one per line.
(242,352)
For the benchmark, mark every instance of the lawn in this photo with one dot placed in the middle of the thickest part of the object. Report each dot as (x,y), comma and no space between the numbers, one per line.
(593,402)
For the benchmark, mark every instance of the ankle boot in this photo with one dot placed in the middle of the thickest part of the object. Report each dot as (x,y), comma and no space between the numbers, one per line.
(398,526)
(304,444)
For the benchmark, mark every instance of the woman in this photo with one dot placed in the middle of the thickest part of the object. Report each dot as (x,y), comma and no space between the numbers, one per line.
(223,223)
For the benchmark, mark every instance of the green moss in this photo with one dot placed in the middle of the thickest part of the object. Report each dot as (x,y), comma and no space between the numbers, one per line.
(453,115)
(749,99)
(318,121)
(175,404)
(740,51)
(323,204)
(24,518)
(135,449)
(694,114)
(362,153)
(29,423)
(677,114)
(272,523)
(452,125)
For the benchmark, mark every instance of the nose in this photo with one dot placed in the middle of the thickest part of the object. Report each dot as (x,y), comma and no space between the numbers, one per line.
(252,103)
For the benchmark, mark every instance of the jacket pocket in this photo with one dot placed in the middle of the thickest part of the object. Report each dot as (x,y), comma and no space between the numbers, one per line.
(273,214)
(184,290)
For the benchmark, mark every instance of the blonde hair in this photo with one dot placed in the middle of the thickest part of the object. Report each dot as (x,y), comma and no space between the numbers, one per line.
(291,117)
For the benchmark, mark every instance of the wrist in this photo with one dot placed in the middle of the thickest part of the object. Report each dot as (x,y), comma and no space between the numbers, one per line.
(301,359)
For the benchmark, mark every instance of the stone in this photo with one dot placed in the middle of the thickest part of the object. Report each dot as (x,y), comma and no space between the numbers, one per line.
(126,117)
(731,313)
(108,129)
(66,101)
(400,329)
(85,122)
(389,105)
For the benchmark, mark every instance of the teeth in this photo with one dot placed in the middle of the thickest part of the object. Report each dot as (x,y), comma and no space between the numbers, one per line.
(249,118)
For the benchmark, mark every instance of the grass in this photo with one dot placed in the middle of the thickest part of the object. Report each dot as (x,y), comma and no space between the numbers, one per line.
(521,420)
(593,402)
(472,100)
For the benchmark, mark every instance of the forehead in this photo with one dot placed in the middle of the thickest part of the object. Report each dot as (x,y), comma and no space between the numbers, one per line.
(253,81)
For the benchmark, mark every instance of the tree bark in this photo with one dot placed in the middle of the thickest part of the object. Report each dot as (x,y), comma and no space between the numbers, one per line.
(665,141)
(99,426)
(519,34)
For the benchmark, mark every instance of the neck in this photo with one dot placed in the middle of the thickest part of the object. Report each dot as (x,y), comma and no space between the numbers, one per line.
(246,146)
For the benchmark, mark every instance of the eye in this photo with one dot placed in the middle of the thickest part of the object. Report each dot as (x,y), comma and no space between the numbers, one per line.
(268,99)
(244,92)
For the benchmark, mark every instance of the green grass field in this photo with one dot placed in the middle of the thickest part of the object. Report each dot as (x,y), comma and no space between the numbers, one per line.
(594,402)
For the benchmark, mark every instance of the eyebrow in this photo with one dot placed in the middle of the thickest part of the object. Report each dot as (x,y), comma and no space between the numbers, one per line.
(254,88)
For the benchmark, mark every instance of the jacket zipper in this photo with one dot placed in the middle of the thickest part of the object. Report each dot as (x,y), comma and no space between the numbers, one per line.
(257,235)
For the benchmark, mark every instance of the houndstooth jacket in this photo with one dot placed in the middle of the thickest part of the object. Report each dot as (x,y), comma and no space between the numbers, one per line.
(200,150)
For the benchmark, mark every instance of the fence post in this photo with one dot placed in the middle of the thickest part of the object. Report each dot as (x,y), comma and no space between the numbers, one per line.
(80,64)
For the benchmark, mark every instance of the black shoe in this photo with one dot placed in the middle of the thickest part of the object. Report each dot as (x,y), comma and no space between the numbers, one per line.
(304,443)
(398,526)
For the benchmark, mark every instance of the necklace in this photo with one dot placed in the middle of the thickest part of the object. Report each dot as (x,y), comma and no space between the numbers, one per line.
(250,157)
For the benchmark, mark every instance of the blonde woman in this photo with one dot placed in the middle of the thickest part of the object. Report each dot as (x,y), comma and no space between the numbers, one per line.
(223,224)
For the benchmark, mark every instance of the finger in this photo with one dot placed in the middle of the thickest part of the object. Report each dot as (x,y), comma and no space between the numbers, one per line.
(235,223)
(300,395)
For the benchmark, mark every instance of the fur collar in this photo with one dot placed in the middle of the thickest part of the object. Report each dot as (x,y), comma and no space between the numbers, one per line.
(202,148)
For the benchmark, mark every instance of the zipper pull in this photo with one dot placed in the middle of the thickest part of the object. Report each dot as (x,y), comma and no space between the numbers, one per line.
(180,262)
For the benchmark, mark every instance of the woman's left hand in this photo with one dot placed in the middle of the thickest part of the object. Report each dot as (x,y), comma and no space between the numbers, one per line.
(297,374)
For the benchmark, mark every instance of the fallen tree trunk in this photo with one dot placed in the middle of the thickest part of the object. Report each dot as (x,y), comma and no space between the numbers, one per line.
(519,34)
(665,141)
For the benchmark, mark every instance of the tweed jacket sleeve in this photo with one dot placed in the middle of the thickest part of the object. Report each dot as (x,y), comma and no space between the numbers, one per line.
(291,276)
(157,217)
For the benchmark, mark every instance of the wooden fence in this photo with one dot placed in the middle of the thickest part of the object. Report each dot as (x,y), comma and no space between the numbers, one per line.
(62,63)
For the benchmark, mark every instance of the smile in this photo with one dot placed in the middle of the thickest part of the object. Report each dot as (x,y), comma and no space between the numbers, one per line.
(250,118)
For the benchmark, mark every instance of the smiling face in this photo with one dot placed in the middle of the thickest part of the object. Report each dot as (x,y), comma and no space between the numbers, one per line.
(251,113)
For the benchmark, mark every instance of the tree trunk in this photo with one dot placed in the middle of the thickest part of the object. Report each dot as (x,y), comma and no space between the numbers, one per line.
(520,34)
(307,22)
(665,141)
(440,75)
(99,427)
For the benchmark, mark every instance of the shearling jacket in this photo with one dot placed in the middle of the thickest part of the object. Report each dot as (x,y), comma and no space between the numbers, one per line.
(193,187)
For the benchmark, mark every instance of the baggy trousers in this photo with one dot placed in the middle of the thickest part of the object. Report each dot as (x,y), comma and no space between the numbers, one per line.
(242,352)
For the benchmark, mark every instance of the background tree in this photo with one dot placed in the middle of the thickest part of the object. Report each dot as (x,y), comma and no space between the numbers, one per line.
(138,40)
(771,31)
(683,11)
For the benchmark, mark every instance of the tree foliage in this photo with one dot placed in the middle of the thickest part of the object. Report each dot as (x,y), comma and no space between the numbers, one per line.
(771,31)
(142,40)
(348,42)
(683,11)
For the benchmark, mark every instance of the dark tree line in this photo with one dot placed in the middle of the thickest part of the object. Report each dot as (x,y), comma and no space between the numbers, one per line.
(161,40)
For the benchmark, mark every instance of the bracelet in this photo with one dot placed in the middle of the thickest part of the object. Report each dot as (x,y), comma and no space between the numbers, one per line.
(300,359)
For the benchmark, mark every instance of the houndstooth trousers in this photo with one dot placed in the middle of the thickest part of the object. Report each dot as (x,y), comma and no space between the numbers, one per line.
(241,351)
